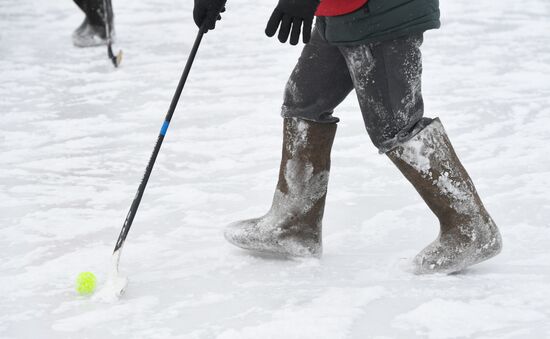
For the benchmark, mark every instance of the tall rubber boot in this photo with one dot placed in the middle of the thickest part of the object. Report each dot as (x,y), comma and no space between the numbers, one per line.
(292,227)
(467,235)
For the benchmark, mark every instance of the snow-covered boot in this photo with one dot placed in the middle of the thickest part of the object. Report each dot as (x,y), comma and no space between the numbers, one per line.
(468,235)
(87,35)
(292,226)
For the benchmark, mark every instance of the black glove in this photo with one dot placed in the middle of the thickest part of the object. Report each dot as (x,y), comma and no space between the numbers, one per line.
(207,12)
(292,14)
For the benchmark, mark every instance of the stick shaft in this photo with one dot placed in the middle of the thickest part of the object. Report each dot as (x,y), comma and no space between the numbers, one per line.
(107,17)
(141,189)
(107,12)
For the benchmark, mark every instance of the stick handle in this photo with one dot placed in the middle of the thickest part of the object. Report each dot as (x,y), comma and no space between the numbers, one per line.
(141,189)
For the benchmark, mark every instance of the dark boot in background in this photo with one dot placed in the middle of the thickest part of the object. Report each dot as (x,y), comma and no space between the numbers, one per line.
(92,32)
(293,225)
(468,235)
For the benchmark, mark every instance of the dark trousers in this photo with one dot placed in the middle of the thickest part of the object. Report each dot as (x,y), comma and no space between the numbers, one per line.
(96,11)
(386,77)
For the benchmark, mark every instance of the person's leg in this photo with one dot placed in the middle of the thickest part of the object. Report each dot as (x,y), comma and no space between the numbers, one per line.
(92,31)
(292,226)
(97,12)
(318,84)
(387,78)
(81,4)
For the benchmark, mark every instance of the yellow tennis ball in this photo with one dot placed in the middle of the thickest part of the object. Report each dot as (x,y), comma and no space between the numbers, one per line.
(85,283)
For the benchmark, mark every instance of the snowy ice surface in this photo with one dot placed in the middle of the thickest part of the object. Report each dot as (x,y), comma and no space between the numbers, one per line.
(75,135)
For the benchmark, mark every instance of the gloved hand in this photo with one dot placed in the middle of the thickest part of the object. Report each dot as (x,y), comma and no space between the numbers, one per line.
(292,15)
(207,12)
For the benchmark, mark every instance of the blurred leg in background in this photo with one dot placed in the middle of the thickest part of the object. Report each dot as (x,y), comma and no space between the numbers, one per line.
(92,31)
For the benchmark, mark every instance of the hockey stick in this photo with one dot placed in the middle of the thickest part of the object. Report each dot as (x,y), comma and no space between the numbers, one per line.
(108,11)
(115,285)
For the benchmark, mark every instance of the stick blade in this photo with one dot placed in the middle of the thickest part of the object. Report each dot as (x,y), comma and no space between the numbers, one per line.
(113,289)
(116,59)
(115,286)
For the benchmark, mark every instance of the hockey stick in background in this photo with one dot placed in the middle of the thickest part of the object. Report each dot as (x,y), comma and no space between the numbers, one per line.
(108,18)
(116,285)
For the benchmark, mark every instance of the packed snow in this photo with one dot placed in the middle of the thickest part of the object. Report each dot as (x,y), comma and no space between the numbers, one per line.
(75,136)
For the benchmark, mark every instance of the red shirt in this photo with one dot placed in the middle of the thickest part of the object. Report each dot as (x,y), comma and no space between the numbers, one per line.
(338,7)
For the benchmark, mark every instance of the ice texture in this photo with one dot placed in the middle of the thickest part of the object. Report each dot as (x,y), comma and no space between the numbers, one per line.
(75,136)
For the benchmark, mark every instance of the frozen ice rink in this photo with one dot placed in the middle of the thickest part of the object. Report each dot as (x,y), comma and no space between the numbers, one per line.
(76,134)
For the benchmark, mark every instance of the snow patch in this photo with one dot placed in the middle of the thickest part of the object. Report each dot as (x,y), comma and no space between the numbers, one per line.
(330,315)
(442,319)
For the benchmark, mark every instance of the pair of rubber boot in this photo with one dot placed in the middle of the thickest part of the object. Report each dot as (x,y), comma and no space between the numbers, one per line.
(293,225)
(97,26)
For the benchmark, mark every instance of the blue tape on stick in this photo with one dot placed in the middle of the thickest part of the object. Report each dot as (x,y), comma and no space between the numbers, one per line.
(164,128)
